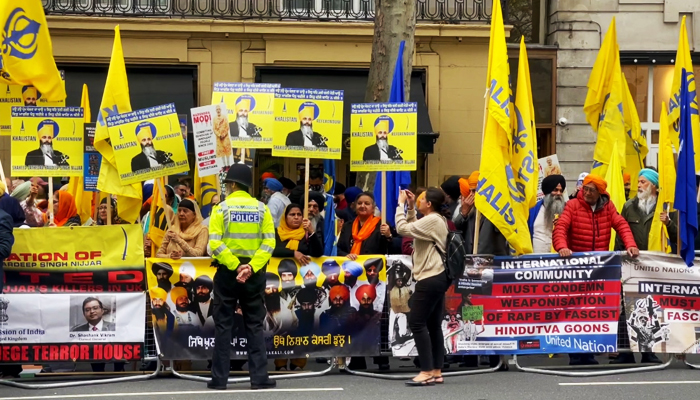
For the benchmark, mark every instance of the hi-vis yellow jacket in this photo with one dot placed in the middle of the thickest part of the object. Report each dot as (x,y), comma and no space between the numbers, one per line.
(241,226)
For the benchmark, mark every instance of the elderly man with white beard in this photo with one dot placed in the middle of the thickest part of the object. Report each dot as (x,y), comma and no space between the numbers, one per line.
(639,214)
(544,215)
(241,127)
(46,154)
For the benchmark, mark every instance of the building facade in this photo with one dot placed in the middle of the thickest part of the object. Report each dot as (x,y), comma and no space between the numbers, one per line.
(647,32)
(175,50)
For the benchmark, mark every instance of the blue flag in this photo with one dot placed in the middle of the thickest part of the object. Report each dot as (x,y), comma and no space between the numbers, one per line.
(395,181)
(686,191)
(330,247)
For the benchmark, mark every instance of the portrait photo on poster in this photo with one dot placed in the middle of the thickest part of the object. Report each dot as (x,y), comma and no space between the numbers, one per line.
(383,137)
(90,313)
(308,123)
(250,112)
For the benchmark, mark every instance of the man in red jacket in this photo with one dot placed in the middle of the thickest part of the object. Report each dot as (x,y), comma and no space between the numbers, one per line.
(586,225)
(587,221)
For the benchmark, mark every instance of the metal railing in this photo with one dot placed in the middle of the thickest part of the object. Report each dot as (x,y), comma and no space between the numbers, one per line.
(445,11)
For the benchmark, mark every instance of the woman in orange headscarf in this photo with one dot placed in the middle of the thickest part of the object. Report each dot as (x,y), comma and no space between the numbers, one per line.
(65,213)
(367,234)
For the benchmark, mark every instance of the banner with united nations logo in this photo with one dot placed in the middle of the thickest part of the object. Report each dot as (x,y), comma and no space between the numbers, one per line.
(47,141)
(147,144)
(250,112)
(308,123)
(383,137)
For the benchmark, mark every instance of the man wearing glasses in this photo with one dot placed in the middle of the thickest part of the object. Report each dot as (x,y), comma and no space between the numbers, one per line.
(93,312)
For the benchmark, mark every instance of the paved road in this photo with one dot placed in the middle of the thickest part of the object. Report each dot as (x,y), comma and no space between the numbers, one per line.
(677,379)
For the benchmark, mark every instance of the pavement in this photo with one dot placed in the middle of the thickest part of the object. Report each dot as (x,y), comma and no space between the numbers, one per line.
(678,379)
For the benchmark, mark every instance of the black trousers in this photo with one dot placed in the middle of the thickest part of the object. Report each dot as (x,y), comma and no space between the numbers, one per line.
(427,309)
(227,292)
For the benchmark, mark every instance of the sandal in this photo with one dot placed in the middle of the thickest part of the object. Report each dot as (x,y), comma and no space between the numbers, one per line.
(438,380)
(427,382)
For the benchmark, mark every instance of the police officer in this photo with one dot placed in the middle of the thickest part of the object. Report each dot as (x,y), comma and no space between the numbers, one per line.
(241,240)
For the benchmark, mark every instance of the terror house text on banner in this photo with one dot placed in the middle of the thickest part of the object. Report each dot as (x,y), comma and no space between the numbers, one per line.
(250,112)
(85,289)
(662,304)
(212,141)
(115,100)
(26,54)
(524,158)
(683,61)
(330,307)
(47,141)
(498,197)
(383,137)
(147,144)
(308,123)
(22,96)
(603,106)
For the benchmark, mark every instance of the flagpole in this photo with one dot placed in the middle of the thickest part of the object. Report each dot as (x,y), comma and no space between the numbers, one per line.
(2,176)
(383,197)
(161,192)
(306,189)
(50,201)
(109,209)
(477,220)
(96,203)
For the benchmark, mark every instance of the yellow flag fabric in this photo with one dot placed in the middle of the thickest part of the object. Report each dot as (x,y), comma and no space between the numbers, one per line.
(524,159)
(204,191)
(603,106)
(616,186)
(160,214)
(115,100)
(26,54)
(636,148)
(498,198)
(658,235)
(684,61)
(83,199)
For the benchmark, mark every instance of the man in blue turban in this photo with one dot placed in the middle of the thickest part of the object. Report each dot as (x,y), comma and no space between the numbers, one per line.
(278,201)
(639,213)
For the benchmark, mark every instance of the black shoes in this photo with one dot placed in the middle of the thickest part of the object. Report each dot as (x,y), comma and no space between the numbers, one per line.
(213,386)
(268,384)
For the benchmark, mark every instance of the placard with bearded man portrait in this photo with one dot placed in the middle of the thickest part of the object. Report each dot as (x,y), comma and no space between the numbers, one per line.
(383,137)
(47,141)
(147,144)
(22,96)
(250,112)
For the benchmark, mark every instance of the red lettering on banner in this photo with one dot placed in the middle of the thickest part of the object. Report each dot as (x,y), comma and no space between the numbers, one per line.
(77,277)
(97,352)
(34,277)
(64,353)
(82,255)
(54,353)
(562,288)
(75,352)
(125,277)
(14,353)
(108,352)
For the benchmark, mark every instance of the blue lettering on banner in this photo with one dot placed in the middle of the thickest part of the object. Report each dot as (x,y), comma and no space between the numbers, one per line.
(244,217)
(517,192)
(496,91)
(506,210)
(520,135)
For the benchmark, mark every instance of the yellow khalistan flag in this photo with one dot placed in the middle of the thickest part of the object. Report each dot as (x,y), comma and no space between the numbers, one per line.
(603,106)
(83,199)
(636,148)
(683,61)
(616,186)
(495,199)
(658,235)
(204,191)
(160,214)
(524,158)
(115,100)
(26,54)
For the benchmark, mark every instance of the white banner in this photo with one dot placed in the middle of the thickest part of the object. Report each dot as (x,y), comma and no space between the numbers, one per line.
(212,139)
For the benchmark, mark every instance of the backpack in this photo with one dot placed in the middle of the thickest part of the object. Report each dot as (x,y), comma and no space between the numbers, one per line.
(456,257)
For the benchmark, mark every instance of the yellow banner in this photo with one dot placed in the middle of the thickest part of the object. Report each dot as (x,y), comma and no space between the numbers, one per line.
(383,137)
(250,112)
(93,248)
(322,271)
(658,234)
(308,123)
(47,141)
(21,96)
(147,144)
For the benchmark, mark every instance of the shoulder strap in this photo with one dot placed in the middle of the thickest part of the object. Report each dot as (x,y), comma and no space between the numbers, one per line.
(437,248)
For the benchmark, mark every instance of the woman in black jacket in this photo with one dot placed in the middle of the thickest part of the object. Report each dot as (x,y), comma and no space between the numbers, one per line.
(296,238)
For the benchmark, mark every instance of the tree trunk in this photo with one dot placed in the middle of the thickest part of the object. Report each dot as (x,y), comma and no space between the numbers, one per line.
(394,21)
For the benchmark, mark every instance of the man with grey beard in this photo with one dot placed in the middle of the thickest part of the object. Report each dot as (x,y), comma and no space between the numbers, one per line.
(241,127)
(639,213)
(305,136)
(149,157)
(45,154)
(544,215)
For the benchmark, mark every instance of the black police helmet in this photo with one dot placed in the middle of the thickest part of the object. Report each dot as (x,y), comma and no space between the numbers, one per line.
(240,173)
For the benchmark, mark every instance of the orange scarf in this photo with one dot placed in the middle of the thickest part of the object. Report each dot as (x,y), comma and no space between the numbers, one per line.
(359,235)
(293,235)
(66,208)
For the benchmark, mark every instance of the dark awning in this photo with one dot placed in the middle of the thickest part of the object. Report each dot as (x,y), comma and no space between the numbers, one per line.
(353,81)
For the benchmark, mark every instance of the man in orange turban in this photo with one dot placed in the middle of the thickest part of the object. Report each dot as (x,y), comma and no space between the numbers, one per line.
(473,180)
(183,315)
(627,179)
(337,317)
